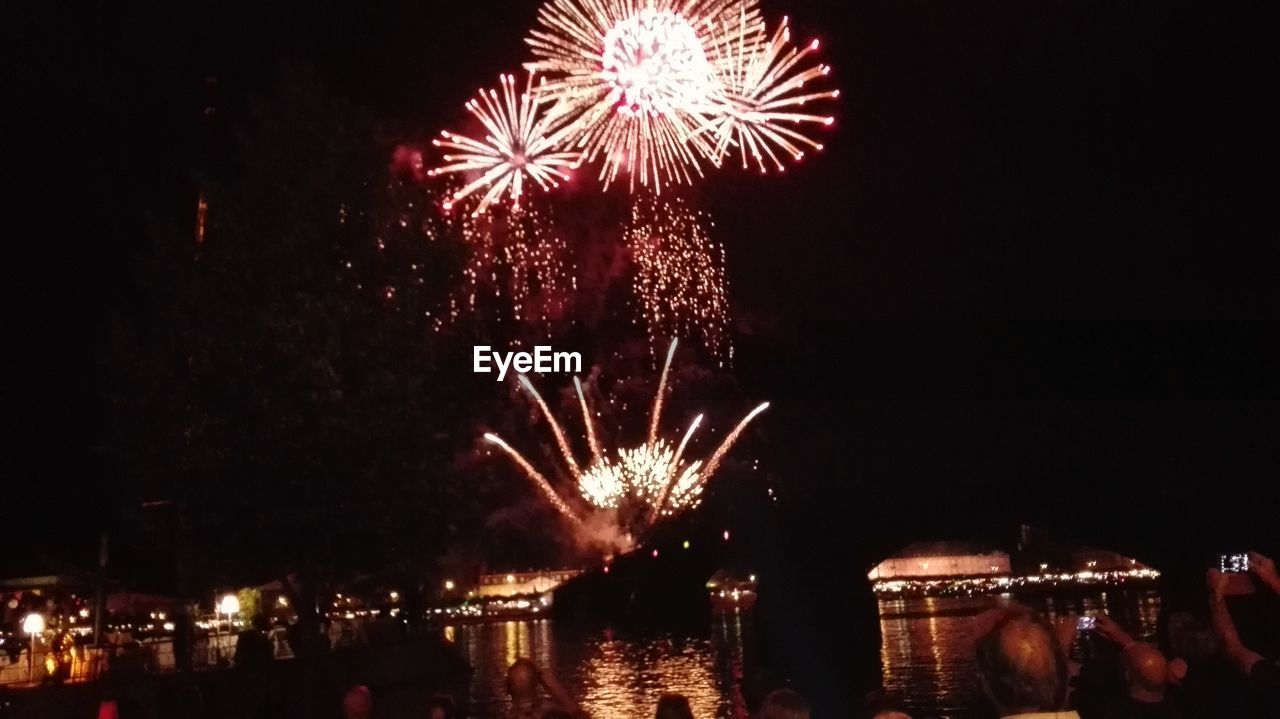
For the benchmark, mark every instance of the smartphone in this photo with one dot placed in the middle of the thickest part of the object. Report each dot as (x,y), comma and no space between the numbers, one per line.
(1234,563)
(1086,624)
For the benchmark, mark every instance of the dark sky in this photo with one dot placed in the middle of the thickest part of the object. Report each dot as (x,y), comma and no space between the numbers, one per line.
(975,299)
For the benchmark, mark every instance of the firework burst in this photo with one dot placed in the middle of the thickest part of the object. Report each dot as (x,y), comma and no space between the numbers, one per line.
(635,79)
(764,99)
(522,145)
(651,481)
(657,90)
(680,283)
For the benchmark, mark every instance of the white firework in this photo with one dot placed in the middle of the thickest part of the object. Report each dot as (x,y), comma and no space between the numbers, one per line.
(653,475)
(765,97)
(522,144)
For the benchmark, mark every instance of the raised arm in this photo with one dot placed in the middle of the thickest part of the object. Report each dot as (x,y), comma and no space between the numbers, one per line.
(1111,631)
(1265,570)
(1242,657)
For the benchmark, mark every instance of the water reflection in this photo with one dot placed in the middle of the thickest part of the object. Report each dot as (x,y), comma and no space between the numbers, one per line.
(927,656)
(613,674)
(927,651)
(626,678)
(927,646)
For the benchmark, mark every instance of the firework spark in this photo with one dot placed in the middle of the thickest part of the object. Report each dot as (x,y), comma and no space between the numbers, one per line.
(518,265)
(765,93)
(635,79)
(680,282)
(653,476)
(522,144)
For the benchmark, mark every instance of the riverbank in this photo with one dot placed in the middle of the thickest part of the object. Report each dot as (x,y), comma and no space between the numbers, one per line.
(404,675)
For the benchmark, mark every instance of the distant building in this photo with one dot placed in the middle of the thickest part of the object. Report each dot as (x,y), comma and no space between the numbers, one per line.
(515,584)
(941,560)
(960,569)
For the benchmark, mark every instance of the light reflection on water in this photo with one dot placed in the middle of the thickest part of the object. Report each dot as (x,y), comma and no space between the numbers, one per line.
(927,645)
(927,656)
(612,675)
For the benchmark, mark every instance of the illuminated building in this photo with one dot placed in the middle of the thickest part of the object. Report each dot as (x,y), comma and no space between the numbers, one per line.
(515,584)
(954,568)
(941,560)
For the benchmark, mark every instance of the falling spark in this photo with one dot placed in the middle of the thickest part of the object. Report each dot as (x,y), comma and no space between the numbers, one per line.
(519,259)
(635,79)
(521,145)
(653,475)
(765,96)
(680,282)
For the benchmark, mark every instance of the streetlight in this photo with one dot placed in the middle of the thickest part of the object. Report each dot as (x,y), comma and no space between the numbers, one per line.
(229,605)
(32,624)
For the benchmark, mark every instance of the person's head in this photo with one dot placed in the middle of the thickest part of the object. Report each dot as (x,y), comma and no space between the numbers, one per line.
(878,706)
(522,680)
(357,703)
(261,622)
(1021,668)
(440,707)
(673,706)
(1145,672)
(783,704)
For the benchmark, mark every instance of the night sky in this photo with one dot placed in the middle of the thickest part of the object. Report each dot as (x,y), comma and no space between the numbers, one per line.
(972,308)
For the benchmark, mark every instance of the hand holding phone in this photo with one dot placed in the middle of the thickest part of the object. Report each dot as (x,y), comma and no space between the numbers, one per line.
(1108,629)
(1224,583)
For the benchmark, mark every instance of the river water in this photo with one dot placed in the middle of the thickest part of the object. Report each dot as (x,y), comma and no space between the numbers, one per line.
(926,656)
(611,674)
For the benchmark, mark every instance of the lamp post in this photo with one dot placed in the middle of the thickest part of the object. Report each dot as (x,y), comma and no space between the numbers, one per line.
(229,605)
(32,624)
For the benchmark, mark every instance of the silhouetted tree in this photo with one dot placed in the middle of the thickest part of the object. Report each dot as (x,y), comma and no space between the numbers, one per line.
(279,382)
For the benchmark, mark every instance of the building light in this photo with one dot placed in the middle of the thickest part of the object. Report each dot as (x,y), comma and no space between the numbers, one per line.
(33,623)
(229,605)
